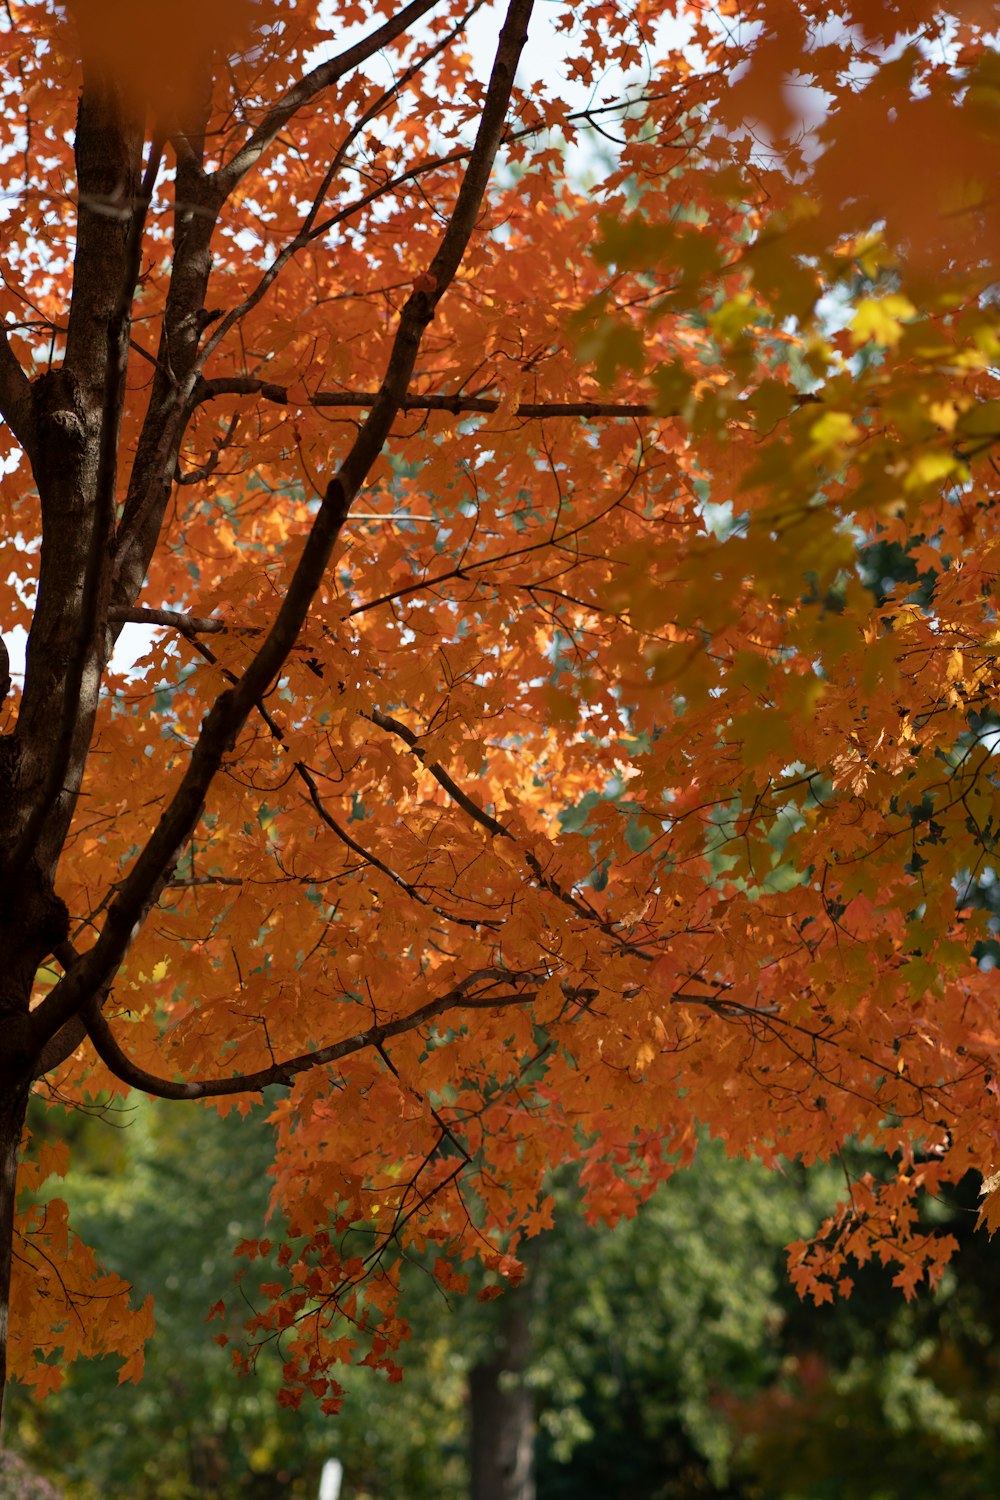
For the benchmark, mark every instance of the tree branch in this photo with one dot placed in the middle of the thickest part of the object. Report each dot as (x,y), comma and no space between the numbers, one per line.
(496,828)
(308,230)
(191,626)
(457,405)
(586,117)
(117,1061)
(227,177)
(441,776)
(196,211)
(306,776)
(15,397)
(140,889)
(71,1036)
(59,1047)
(129,1072)
(77,409)
(170,619)
(309,781)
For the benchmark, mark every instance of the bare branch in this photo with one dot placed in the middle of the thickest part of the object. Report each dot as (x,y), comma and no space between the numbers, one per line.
(170,619)
(457,405)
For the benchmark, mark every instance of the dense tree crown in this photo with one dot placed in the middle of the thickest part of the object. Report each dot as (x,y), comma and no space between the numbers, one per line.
(571,718)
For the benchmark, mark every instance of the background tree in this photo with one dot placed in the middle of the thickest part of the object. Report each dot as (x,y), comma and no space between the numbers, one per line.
(635,1334)
(567,790)
(669,1355)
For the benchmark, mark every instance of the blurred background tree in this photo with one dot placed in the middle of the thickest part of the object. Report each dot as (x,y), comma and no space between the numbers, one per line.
(193,1427)
(669,1358)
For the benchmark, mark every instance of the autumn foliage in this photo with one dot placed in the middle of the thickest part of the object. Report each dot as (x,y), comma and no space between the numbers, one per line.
(527,765)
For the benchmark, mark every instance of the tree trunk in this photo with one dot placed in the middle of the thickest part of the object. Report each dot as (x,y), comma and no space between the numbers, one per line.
(502,1409)
(68,420)
(13,1104)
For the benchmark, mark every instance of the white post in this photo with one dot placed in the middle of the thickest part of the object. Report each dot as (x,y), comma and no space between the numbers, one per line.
(329,1480)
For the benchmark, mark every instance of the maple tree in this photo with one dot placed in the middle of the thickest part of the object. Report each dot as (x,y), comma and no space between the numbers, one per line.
(522,770)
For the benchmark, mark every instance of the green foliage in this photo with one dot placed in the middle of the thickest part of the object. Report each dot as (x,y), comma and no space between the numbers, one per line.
(671,1358)
(165,1193)
(643,1328)
(637,1329)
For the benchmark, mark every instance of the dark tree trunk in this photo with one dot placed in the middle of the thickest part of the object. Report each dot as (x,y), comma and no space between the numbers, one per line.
(13,1104)
(502,1409)
(65,418)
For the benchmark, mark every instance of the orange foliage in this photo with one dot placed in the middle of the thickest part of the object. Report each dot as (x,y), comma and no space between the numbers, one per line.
(591,797)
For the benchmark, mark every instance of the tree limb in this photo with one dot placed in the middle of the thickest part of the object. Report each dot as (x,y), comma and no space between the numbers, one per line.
(306,776)
(71,1036)
(457,405)
(227,177)
(196,212)
(170,619)
(117,1061)
(60,1047)
(309,781)
(15,397)
(140,889)
(129,1072)
(77,409)
(308,229)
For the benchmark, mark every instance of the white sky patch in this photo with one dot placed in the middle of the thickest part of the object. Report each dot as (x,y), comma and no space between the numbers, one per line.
(133,643)
(543,65)
(543,61)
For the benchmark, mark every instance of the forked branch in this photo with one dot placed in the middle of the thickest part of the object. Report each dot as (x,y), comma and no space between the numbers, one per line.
(141,887)
(323,76)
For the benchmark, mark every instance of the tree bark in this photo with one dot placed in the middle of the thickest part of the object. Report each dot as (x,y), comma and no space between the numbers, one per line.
(13,1104)
(502,1409)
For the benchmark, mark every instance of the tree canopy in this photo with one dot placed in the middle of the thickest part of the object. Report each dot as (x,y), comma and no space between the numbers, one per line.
(569,721)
